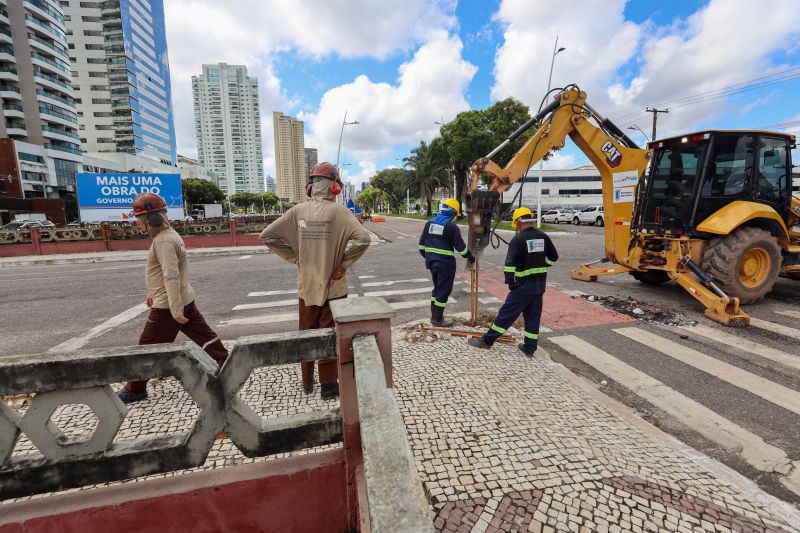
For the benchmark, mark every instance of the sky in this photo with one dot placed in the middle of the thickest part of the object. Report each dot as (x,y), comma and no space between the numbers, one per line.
(399,67)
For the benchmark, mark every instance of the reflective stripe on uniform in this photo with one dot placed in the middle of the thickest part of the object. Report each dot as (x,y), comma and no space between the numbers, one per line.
(421,246)
(509,269)
(533,336)
(531,271)
(498,329)
(438,251)
(464,251)
(437,303)
(550,263)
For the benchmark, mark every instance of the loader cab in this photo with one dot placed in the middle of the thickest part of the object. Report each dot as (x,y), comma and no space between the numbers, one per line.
(693,176)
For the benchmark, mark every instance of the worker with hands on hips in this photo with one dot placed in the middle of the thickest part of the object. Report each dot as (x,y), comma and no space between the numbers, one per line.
(530,254)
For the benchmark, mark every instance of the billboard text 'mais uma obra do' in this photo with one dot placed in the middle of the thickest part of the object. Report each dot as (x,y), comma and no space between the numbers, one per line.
(110,196)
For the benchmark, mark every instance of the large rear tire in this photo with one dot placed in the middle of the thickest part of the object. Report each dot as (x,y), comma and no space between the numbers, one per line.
(650,277)
(745,262)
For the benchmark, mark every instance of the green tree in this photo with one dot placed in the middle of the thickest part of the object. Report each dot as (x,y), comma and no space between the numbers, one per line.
(245,200)
(197,191)
(428,167)
(475,133)
(265,200)
(370,198)
(394,182)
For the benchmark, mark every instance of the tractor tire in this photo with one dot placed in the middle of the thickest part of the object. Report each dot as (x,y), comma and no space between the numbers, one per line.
(650,277)
(599,222)
(745,262)
(576,221)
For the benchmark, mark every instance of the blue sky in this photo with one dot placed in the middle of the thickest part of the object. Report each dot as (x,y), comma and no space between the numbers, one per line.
(398,68)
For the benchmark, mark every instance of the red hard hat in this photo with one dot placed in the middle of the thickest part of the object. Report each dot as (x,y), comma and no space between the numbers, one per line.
(325,170)
(148,203)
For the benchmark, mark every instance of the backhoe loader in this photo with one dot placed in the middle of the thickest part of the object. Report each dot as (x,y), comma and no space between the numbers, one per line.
(715,212)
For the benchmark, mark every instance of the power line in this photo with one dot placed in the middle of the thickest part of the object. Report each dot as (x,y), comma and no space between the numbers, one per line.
(655,113)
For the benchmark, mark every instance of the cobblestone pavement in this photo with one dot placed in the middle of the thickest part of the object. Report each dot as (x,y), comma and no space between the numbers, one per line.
(502,443)
(507,443)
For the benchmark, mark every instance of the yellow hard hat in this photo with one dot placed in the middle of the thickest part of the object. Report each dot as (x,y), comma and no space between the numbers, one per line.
(520,212)
(452,202)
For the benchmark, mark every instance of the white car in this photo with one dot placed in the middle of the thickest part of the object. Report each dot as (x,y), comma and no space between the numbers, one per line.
(556,217)
(589,215)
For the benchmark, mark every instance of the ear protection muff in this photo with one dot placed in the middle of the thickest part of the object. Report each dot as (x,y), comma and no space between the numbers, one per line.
(153,218)
(336,187)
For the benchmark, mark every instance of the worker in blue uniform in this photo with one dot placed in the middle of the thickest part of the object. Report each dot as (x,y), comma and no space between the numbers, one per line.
(439,239)
(530,254)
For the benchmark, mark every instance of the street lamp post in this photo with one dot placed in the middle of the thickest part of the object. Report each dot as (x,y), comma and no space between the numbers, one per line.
(640,130)
(556,51)
(344,123)
(450,173)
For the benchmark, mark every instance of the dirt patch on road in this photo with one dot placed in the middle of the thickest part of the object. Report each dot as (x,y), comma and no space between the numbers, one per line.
(643,311)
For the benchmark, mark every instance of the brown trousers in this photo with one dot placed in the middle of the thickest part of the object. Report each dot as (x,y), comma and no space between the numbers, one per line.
(161,327)
(316,317)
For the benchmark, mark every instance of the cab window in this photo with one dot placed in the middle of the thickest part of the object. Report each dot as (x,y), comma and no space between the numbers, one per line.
(771,181)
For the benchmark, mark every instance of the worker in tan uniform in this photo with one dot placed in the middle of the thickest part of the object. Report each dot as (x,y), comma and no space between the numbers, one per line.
(315,235)
(170,297)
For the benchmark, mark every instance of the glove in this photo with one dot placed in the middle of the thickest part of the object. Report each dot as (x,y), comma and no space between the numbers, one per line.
(471,260)
(515,285)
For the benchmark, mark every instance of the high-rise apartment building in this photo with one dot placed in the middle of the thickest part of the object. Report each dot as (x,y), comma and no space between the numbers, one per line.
(311,160)
(290,157)
(120,71)
(38,106)
(228,125)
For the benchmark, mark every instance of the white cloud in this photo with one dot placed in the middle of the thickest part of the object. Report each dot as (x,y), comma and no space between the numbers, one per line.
(430,85)
(559,161)
(719,45)
(250,32)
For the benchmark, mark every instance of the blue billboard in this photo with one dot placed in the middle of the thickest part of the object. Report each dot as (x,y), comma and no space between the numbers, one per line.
(109,197)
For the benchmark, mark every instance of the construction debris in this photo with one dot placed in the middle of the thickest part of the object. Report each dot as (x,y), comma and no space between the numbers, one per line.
(639,310)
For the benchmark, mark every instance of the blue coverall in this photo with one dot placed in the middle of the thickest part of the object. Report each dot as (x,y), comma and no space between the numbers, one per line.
(530,254)
(436,244)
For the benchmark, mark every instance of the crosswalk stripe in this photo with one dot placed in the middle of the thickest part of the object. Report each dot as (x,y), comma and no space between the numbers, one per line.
(385,283)
(793,314)
(399,292)
(261,319)
(259,294)
(245,257)
(714,427)
(490,300)
(780,329)
(745,345)
(264,305)
(769,390)
(367,277)
(418,303)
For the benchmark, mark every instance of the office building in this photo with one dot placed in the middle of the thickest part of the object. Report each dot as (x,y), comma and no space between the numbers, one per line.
(228,127)
(120,72)
(192,169)
(311,159)
(290,157)
(38,106)
(271,184)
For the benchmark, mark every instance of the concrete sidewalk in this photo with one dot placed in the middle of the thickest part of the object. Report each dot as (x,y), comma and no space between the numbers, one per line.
(505,443)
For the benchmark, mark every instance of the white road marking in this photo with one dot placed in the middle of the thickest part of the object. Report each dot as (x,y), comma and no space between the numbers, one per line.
(769,390)
(117,320)
(745,345)
(399,292)
(259,294)
(261,319)
(385,283)
(780,329)
(793,314)
(264,305)
(714,427)
(418,303)
(398,232)
(367,277)
(245,257)
(490,300)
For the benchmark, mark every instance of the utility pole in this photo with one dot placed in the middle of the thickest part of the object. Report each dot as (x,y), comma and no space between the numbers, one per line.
(655,113)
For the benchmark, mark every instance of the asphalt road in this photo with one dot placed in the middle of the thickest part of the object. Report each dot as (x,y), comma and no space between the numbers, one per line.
(745,381)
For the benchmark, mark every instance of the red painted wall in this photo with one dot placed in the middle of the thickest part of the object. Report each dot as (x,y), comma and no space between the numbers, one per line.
(299,494)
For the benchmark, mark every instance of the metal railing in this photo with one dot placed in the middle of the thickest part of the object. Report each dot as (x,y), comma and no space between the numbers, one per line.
(50,29)
(51,79)
(49,45)
(10,88)
(58,114)
(13,107)
(44,7)
(59,66)
(8,69)
(62,132)
(62,148)
(48,94)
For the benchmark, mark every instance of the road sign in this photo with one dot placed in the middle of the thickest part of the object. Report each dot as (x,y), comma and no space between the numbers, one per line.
(109,197)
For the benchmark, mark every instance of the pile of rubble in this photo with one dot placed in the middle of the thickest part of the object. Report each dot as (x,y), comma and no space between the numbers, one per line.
(643,311)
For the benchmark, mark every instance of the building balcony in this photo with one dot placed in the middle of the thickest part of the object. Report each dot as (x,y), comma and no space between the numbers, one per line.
(16,128)
(60,135)
(45,29)
(64,149)
(8,73)
(47,46)
(7,54)
(10,92)
(49,65)
(47,97)
(44,11)
(5,35)
(57,117)
(50,82)
(13,111)
(4,16)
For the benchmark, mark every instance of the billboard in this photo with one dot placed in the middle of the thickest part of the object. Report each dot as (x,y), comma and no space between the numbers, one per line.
(109,197)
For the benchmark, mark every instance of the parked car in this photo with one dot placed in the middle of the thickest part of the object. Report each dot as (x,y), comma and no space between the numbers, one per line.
(24,224)
(557,216)
(589,215)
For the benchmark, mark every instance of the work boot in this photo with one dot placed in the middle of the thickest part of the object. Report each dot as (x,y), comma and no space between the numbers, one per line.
(308,389)
(130,397)
(524,349)
(329,391)
(437,317)
(477,342)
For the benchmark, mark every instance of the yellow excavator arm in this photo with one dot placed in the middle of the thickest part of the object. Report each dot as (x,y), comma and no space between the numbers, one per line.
(620,162)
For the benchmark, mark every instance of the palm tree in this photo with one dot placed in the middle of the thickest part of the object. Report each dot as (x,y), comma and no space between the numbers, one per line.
(428,165)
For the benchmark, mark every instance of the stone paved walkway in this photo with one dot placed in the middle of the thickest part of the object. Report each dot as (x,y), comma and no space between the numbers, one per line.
(503,443)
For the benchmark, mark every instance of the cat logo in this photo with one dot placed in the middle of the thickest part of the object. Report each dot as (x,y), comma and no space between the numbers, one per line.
(613,156)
